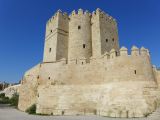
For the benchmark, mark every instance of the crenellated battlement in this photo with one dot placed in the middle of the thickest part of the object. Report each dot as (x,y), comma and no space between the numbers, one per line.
(80,13)
(59,13)
(134,52)
(103,15)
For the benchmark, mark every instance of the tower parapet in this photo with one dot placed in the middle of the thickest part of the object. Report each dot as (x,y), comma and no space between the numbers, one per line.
(144,51)
(134,51)
(113,53)
(123,51)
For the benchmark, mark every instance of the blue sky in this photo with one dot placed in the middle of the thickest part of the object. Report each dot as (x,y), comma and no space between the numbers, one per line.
(22,28)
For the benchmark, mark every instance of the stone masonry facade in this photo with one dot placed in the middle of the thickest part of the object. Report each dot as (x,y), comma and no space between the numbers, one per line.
(85,72)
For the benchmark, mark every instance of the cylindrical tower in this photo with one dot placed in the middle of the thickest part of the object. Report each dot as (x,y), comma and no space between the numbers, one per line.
(79,35)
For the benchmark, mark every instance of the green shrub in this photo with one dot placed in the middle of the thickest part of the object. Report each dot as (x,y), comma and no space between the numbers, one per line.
(2,95)
(14,100)
(3,99)
(31,109)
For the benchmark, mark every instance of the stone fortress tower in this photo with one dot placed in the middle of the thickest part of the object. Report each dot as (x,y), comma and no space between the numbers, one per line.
(85,72)
(81,35)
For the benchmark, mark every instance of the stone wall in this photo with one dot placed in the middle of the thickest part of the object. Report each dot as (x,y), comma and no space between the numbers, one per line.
(116,86)
(116,99)
(158,76)
(112,85)
(28,88)
(11,90)
(100,70)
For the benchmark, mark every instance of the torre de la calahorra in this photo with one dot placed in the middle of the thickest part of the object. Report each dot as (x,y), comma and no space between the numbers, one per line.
(85,72)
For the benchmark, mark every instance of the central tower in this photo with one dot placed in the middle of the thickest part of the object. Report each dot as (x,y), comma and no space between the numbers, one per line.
(81,35)
(80,45)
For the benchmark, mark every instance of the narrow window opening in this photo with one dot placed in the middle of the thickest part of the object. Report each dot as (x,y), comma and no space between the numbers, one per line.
(113,39)
(38,77)
(106,40)
(82,63)
(135,72)
(95,112)
(84,46)
(49,78)
(62,112)
(79,27)
(50,49)
(51,31)
(116,53)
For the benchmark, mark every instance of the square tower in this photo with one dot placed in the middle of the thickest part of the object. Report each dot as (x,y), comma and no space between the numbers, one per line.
(56,39)
(104,33)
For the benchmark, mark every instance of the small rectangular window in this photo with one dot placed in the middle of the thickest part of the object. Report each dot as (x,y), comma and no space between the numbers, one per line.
(116,53)
(84,46)
(50,49)
(79,27)
(135,72)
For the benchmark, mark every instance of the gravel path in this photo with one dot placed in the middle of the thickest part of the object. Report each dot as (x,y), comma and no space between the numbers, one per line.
(8,113)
